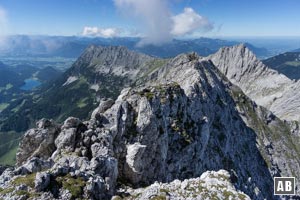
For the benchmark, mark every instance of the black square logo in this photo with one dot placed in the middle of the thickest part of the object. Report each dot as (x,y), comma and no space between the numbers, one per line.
(284,185)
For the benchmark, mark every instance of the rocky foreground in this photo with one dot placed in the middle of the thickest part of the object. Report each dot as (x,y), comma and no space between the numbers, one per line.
(184,131)
(211,185)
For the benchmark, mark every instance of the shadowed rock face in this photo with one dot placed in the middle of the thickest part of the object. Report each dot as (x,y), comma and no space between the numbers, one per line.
(2,169)
(181,120)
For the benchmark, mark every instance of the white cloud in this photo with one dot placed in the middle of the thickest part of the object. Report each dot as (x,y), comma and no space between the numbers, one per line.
(101,32)
(157,23)
(153,17)
(188,22)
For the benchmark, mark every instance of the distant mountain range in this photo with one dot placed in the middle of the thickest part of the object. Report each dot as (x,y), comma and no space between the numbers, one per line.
(72,47)
(296,50)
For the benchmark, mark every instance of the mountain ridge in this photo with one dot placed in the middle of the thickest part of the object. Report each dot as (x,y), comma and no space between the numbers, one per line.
(73,47)
(183,118)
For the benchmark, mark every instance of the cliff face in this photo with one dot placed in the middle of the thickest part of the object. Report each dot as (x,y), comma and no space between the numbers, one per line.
(180,120)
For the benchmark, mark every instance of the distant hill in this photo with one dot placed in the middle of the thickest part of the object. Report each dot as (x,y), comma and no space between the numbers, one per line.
(286,63)
(296,50)
(48,74)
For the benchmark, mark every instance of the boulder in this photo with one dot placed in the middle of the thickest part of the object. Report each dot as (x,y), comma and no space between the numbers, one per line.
(42,181)
(103,106)
(34,165)
(95,188)
(71,122)
(66,139)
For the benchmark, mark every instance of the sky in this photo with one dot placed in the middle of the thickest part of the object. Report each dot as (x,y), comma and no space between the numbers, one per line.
(155,20)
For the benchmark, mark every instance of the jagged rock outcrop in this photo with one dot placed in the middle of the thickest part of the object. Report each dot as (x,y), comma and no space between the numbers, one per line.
(265,86)
(180,120)
(38,142)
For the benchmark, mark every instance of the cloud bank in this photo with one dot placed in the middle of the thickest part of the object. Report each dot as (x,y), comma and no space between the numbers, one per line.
(101,32)
(157,22)
(153,16)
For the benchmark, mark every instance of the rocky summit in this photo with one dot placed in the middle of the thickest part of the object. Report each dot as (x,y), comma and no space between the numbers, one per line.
(183,130)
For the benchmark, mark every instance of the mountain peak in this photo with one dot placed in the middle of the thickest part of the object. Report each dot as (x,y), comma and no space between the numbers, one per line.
(117,60)
(240,50)
(258,81)
(237,61)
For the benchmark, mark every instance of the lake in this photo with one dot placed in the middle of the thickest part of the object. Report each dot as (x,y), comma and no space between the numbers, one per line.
(30,84)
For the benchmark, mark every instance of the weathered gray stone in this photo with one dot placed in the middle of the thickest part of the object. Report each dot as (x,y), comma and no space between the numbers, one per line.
(103,106)
(66,139)
(95,188)
(71,122)
(42,181)
(34,165)
(99,150)
(38,142)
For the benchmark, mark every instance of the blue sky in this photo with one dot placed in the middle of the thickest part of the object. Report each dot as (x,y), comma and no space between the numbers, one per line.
(219,17)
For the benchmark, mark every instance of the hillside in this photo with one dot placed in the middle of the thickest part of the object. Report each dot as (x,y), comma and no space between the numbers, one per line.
(100,72)
(286,63)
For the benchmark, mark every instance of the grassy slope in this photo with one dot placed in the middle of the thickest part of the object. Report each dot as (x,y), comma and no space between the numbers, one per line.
(9,158)
(8,147)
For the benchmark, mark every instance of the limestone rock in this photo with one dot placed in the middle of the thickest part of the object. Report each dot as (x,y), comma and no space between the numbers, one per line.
(71,122)
(42,181)
(66,139)
(38,142)
(103,106)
